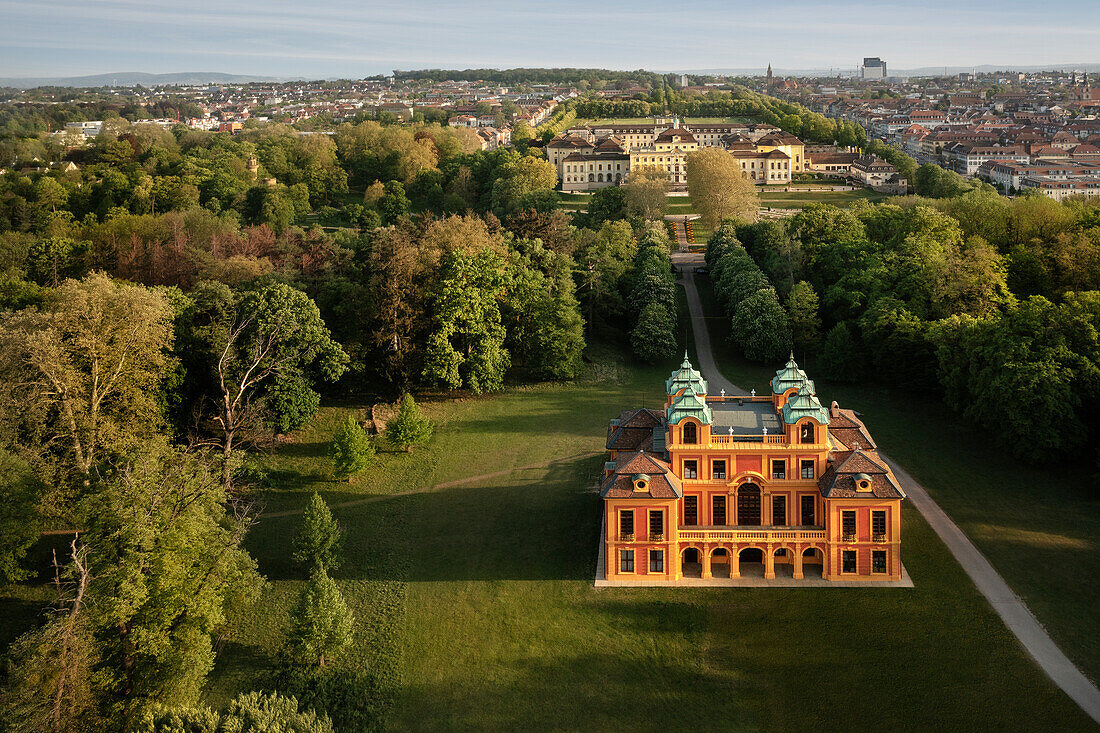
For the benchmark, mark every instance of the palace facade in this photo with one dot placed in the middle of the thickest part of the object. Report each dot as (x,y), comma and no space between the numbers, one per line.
(589,157)
(720,486)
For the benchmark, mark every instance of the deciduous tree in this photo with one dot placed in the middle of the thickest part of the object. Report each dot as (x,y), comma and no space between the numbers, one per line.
(718,188)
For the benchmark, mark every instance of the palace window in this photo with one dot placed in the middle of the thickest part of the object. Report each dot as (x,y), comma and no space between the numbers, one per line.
(626,523)
(718,469)
(779,511)
(878,523)
(691,510)
(718,510)
(808,511)
(848,525)
(656,561)
(807,469)
(691,434)
(779,469)
(807,435)
(691,469)
(848,561)
(656,523)
(878,561)
(626,561)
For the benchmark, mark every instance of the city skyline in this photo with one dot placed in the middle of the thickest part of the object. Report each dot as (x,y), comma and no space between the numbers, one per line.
(343,39)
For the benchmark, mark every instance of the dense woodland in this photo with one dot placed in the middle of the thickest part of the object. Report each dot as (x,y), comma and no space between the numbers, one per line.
(174,301)
(993,303)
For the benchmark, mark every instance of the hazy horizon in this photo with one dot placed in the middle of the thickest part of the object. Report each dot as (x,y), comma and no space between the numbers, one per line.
(346,39)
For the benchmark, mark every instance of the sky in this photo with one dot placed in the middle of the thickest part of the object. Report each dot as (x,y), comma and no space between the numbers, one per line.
(344,38)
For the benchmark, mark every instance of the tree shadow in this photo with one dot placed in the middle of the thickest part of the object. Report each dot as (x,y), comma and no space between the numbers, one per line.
(532,524)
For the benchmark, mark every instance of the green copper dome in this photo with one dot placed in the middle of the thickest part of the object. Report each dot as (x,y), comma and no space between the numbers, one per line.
(790,376)
(689,404)
(686,376)
(804,404)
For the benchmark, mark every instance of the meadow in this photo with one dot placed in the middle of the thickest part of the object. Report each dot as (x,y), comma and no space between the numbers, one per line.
(476,608)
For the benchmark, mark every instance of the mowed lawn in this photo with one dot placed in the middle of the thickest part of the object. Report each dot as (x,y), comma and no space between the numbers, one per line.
(1038,525)
(476,606)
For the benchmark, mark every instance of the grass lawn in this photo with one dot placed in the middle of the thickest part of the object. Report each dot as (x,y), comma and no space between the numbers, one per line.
(475,601)
(1038,525)
(802,199)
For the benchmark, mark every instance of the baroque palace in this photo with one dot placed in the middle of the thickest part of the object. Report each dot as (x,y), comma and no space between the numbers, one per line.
(589,157)
(718,486)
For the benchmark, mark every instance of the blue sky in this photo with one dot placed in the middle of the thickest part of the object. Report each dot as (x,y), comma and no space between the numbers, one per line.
(343,38)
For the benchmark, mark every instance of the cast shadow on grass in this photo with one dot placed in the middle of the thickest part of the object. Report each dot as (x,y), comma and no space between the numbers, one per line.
(534,524)
(596,691)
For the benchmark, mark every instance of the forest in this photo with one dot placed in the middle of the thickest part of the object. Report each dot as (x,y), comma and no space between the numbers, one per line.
(174,303)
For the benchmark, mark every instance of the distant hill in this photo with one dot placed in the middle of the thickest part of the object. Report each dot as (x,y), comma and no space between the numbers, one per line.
(134,78)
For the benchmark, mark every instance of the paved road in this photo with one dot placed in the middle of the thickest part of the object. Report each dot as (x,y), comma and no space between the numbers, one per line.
(989,582)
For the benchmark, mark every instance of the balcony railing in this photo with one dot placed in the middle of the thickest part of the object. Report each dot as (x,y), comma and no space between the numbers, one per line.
(626,537)
(878,537)
(755,534)
(848,537)
(656,536)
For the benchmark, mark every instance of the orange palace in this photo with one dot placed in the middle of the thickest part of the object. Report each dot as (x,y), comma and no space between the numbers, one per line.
(723,486)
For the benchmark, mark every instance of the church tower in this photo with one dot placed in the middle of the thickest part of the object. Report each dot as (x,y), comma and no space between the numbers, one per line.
(769,75)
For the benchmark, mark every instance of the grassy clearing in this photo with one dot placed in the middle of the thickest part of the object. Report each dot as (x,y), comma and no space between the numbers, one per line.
(802,199)
(1038,525)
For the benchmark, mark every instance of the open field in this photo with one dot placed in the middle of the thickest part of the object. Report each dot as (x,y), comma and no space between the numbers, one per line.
(1038,525)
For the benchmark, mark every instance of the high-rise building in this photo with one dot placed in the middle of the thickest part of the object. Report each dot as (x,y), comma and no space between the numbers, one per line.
(873,68)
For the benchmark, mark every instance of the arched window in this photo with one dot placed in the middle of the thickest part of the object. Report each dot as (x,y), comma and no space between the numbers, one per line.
(690,433)
(807,435)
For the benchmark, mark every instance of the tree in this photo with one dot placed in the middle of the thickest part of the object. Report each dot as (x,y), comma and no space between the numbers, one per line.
(169,569)
(653,338)
(393,203)
(321,624)
(718,189)
(257,337)
(606,204)
(802,310)
(87,368)
(319,538)
(646,192)
(841,358)
(351,449)
(526,182)
(251,712)
(20,492)
(602,259)
(760,327)
(466,346)
(408,427)
(52,681)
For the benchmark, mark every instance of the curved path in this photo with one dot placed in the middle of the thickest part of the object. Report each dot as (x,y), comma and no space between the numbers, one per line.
(989,582)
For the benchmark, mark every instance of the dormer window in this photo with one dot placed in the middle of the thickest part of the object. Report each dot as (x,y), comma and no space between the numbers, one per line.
(691,434)
(807,433)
